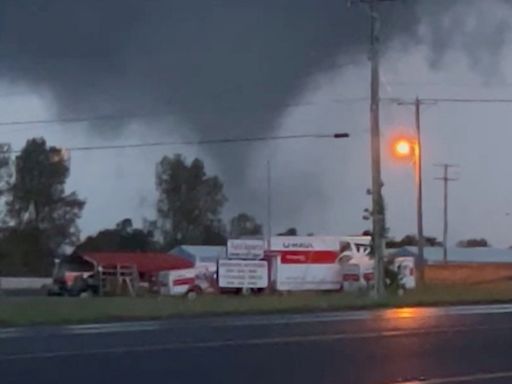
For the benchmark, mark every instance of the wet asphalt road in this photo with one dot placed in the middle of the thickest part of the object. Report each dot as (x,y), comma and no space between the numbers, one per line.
(440,346)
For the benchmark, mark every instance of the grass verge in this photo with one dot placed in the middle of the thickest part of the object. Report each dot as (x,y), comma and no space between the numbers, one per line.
(22,311)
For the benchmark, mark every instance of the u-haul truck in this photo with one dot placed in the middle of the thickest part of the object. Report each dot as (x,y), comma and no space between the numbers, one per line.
(300,263)
(188,282)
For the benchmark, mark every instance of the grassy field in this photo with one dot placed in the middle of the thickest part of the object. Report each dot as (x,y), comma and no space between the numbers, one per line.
(56,310)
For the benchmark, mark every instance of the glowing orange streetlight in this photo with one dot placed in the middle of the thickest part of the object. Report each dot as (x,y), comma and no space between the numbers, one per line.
(405,149)
(402,148)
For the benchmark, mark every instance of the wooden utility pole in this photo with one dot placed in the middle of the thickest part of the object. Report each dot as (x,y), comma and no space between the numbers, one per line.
(445,179)
(378,219)
(419,193)
(377,200)
(418,159)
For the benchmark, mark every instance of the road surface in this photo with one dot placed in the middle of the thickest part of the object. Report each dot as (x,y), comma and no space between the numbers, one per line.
(452,345)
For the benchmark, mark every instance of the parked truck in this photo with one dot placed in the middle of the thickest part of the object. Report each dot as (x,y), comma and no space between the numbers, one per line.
(299,263)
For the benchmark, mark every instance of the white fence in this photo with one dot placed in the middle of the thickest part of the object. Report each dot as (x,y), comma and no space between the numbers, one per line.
(24,282)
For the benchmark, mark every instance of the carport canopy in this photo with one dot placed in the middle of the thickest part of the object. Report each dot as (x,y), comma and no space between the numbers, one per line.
(145,262)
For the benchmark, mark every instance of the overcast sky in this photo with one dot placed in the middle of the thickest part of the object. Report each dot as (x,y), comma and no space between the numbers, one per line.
(317,185)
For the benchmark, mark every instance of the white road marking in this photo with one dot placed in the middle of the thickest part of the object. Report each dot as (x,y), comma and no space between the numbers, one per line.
(248,342)
(111,328)
(276,319)
(270,319)
(464,379)
(476,309)
(11,332)
(416,312)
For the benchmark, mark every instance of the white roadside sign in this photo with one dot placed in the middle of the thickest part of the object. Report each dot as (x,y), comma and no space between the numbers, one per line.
(315,243)
(245,249)
(242,274)
(305,243)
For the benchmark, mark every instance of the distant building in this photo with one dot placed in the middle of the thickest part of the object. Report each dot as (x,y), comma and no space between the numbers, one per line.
(202,255)
(434,255)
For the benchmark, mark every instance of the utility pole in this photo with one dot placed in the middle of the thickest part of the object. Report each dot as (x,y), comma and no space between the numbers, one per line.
(269,203)
(419,193)
(420,262)
(377,200)
(445,179)
(378,219)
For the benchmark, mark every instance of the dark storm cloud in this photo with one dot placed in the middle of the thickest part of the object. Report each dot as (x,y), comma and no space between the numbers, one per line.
(227,67)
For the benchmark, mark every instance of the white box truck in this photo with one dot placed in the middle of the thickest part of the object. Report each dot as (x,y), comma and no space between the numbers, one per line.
(300,263)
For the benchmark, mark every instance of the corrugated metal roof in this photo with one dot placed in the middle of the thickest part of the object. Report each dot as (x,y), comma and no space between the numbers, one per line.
(201,253)
(146,262)
(455,254)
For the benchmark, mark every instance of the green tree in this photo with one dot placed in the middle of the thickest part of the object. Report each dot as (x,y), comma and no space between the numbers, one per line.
(24,252)
(473,243)
(37,199)
(289,232)
(215,233)
(412,241)
(189,202)
(124,237)
(6,178)
(243,225)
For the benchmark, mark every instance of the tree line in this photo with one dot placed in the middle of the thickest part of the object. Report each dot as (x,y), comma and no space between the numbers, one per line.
(39,218)
(431,241)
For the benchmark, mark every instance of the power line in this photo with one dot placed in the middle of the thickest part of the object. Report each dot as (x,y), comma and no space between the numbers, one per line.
(467,100)
(205,142)
(408,83)
(17,93)
(433,100)
(143,115)
(86,119)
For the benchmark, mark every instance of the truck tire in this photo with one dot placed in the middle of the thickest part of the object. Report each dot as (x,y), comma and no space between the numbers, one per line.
(78,286)
(193,292)
(86,294)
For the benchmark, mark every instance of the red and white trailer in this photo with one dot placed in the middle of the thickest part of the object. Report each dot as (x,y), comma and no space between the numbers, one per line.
(187,281)
(312,262)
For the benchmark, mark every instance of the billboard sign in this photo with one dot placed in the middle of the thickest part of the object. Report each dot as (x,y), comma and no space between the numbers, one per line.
(243,274)
(245,249)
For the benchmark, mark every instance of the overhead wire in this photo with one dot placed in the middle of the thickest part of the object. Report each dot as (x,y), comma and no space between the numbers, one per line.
(252,139)
(467,100)
(451,100)
(66,120)
(144,115)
